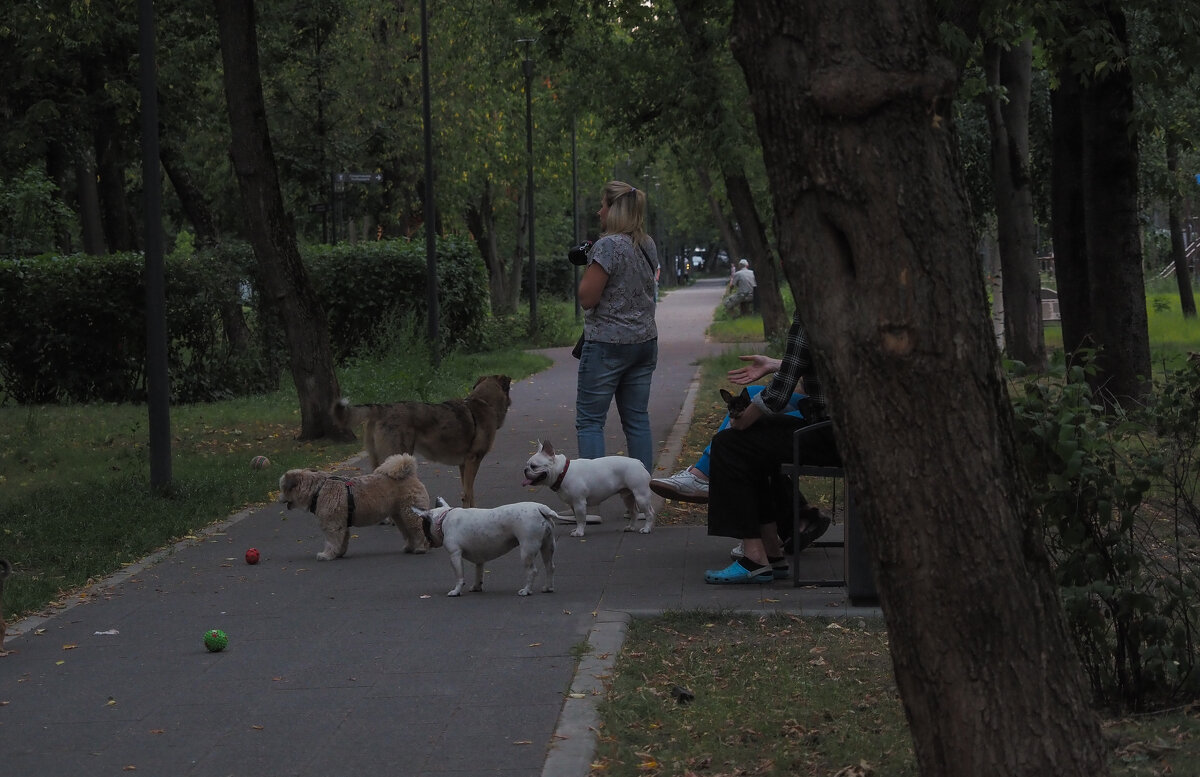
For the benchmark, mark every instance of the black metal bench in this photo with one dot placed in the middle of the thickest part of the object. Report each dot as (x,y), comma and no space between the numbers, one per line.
(857,577)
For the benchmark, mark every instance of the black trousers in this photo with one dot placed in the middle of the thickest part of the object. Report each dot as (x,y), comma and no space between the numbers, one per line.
(745,487)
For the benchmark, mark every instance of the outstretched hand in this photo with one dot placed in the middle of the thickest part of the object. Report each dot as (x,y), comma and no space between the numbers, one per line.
(758,366)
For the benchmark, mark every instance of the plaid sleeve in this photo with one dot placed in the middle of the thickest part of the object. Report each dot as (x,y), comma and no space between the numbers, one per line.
(796,362)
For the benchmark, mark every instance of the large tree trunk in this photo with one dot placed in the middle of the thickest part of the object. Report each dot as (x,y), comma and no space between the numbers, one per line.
(1183,273)
(1009,71)
(481,221)
(762,260)
(270,229)
(1114,245)
(1097,242)
(853,108)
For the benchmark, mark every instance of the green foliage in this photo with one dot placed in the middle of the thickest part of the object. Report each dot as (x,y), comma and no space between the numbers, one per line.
(1116,493)
(75,328)
(364,284)
(31,213)
(76,324)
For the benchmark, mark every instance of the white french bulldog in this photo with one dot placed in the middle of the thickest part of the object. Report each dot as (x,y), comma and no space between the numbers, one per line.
(480,535)
(583,482)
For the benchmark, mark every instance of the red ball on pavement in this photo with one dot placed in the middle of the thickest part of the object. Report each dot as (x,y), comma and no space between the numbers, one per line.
(252,556)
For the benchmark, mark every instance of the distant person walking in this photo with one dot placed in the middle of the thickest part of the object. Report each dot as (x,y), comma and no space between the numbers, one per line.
(741,287)
(620,348)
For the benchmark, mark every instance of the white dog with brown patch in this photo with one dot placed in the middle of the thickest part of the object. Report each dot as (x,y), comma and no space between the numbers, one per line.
(584,482)
(480,535)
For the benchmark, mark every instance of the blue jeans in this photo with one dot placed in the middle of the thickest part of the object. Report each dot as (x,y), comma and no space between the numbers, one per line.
(608,370)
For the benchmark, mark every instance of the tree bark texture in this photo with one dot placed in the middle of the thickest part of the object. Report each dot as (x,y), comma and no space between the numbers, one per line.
(852,102)
(1102,295)
(1183,273)
(1114,244)
(1009,74)
(1066,213)
(481,221)
(270,229)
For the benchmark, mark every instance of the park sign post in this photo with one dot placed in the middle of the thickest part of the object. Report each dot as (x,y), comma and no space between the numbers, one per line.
(339,181)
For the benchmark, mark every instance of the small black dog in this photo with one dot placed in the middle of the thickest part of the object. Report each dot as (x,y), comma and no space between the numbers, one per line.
(736,404)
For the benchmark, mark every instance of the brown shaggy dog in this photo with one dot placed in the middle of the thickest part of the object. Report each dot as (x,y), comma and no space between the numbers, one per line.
(458,431)
(339,503)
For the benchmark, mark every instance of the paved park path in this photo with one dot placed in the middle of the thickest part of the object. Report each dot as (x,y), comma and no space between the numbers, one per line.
(363,666)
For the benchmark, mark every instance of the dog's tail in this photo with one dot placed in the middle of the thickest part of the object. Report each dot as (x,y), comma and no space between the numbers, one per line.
(549,515)
(398,466)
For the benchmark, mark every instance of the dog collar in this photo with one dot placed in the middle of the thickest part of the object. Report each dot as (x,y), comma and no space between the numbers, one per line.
(558,481)
(433,529)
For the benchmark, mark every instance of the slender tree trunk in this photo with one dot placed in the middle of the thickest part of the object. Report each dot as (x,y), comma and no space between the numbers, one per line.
(195,207)
(1066,214)
(481,221)
(271,233)
(90,221)
(732,243)
(853,106)
(766,270)
(109,166)
(1010,69)
(1183,273)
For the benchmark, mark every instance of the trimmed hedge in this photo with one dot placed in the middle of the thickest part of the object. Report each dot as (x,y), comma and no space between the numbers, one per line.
(74,326)
(366,285)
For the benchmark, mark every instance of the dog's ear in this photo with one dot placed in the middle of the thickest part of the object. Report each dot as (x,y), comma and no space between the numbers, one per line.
(439,502)
(725,395)
(547,447)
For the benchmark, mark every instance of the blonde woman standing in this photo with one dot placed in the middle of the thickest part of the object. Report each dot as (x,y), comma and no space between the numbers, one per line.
(620,349)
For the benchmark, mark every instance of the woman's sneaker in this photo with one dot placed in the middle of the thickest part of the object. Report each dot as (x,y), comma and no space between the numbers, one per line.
(682,486)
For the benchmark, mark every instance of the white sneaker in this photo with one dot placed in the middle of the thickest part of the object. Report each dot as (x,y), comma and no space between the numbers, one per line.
(568,516)
(683,486)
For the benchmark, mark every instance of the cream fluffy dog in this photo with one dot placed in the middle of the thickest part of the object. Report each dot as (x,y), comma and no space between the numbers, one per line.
(339,503)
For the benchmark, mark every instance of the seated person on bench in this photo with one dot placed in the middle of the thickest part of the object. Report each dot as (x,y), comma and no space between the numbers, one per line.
(690,484)
(746,490)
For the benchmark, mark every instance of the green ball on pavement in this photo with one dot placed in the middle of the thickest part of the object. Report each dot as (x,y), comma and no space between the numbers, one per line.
(215,640)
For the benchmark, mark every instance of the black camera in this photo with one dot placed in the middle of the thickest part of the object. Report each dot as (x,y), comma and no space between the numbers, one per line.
(578,255)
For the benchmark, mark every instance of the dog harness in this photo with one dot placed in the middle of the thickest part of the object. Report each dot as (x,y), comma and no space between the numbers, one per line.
(558,481)
(312,505)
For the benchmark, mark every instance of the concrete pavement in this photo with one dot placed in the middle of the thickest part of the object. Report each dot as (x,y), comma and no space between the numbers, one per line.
(363,665)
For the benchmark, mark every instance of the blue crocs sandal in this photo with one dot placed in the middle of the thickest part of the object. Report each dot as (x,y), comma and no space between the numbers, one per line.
(736,573)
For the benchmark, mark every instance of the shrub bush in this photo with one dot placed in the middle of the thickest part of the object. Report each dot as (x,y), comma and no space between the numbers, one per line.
(1117,497)
(75,325)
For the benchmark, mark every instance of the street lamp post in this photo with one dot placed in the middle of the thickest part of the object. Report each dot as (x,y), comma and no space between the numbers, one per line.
(431,282)
(157,388)
(528,67)
(575,213)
